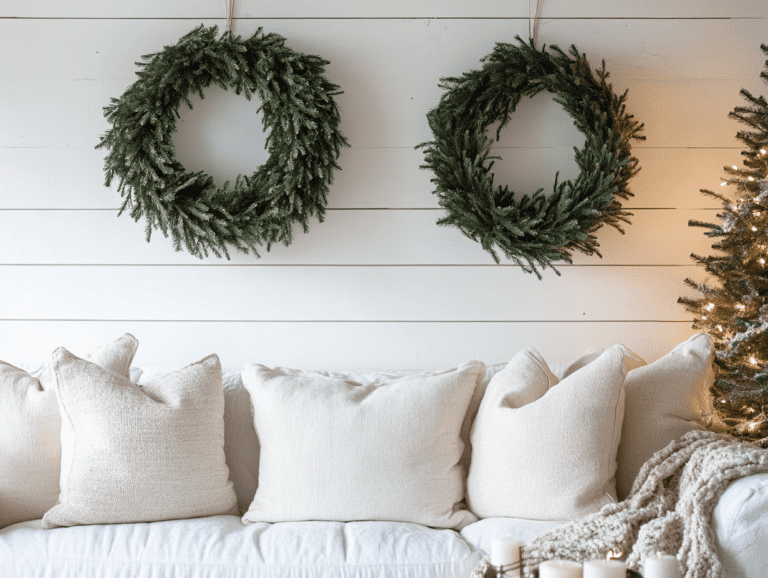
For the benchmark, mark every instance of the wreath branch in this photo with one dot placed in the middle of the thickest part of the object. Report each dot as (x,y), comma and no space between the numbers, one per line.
(304,143)
(535,229)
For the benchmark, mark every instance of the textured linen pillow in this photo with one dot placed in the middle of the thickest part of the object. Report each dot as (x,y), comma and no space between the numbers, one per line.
(30,434)
(140,454)
(665,400)
(337,450)
(545,450)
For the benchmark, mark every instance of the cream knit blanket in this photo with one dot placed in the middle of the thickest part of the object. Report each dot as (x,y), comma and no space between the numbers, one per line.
(668,510)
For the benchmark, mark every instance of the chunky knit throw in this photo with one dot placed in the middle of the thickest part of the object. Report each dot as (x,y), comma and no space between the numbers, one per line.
(668,510)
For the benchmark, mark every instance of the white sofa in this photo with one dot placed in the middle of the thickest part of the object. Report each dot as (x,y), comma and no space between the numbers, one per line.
(222,546)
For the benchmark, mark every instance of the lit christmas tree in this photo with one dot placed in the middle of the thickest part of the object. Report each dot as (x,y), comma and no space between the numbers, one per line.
(733,308)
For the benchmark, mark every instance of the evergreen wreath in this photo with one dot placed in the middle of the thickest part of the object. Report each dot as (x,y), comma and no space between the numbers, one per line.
(536,229)
(303,145)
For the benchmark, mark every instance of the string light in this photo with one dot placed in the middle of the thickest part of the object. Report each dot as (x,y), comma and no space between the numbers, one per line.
(754,229)
(710,307)
(720,327)
(723,184)
(703,316)
(741,306)
(753,361)
(762,151)
(762,261)
(734,167)
(750,179)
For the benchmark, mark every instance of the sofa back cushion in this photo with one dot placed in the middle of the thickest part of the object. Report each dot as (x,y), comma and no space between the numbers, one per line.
(543,449)
(333,449)
(665,400)
(30,433)
(140,454)
(241,446)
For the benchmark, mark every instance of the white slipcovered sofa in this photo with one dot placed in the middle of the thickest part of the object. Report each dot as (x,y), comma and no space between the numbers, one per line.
(359,474)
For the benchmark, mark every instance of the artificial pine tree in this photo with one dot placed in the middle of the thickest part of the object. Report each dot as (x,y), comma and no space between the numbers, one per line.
(734,310)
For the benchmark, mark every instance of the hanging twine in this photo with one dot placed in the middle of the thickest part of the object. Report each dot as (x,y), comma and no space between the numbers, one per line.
(230,13)
(532,21)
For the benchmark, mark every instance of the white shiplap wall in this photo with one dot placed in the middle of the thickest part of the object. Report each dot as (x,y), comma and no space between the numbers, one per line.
(378,284)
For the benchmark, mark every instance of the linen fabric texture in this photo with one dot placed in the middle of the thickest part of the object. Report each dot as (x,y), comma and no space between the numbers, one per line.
(222,547)
(140,454)
(665,400)
(545,449)
(333,449)
(30,433)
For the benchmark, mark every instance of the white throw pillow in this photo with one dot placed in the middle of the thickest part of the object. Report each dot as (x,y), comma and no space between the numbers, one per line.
(30,434)
(336,450)
(545,450)
(665,400)
(140,454)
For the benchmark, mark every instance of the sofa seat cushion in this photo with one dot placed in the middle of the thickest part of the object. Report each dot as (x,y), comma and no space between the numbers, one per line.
(222,547)
(480,534)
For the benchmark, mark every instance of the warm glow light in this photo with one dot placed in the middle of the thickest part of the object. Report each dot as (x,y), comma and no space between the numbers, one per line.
(750,179)
(754,228)
(734,167)
(753,361)
(723,184)
(757,213)
(703,316)
(762,151)
(710,307)
(720,327)
(740,306)
(762,261)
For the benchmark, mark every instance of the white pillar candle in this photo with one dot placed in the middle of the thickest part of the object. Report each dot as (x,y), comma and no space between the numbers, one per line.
(661,567)
(506,550)
(559,569)
(605,569)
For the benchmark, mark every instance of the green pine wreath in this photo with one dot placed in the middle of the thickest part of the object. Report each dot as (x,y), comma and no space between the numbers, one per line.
(303,144)
(532,230)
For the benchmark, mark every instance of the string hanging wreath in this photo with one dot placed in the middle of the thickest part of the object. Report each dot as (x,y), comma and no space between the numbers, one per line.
(303,143)
(532,230)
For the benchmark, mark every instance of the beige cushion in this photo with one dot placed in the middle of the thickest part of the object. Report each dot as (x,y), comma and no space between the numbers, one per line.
(140,454)
(334,449)
(546,450)
(30,434)
(665,400)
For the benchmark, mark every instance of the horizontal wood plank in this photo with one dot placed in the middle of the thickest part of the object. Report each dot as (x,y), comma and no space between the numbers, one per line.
(392,9)
(686,114)
(386,237)
(73,178)
(54,97)
(336,346)
(363,53)
(332,293)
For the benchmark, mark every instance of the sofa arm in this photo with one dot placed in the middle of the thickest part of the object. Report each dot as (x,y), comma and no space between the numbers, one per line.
(740,522)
